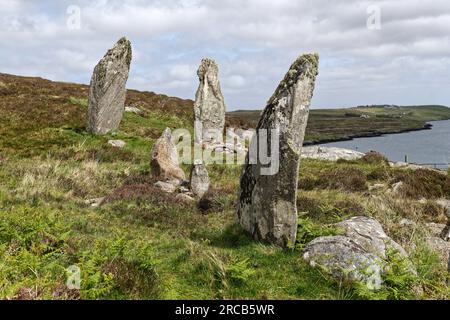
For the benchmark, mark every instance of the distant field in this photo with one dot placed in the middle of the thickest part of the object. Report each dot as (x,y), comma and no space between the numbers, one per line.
(338,124)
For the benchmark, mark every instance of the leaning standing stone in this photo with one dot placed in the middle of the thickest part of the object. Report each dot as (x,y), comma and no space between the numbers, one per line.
(209,106)
(267,203)
(165,161)
(108,89)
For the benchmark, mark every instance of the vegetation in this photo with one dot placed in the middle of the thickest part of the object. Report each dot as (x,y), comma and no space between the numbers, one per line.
(142,244)
(340,124)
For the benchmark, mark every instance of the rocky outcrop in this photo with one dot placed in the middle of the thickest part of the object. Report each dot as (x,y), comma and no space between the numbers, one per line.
(199,180)
(164,160)
(209,106)
(108,89)
(330,153)
(267,200)
(357,255)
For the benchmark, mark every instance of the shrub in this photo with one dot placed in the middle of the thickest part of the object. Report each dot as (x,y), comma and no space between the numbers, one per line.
(346,179)
(374,157)
(423,183)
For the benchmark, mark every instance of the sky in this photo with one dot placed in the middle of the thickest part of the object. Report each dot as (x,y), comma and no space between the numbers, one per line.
(371,52)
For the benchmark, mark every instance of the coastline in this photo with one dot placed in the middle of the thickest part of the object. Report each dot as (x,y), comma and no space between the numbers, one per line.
(427,126)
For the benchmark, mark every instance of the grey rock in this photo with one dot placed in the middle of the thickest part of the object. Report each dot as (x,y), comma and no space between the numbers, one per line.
(165,161)
(108,89)
(184,198)
(369,234)
(95,203)
(357,255)
(117,143)
(342,258)
(438,230)
(165,186)
(199,180)
(209,105)
(184,189)
(134,110)
(396,187)
(330,154)
(267,203)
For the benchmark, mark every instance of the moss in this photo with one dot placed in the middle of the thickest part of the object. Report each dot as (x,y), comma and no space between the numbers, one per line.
(305,66)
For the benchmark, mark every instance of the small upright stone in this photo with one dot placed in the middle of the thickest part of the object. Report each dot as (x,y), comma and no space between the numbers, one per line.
(199,180)
(108,89)
(164,160)
(267,200)
(209,106)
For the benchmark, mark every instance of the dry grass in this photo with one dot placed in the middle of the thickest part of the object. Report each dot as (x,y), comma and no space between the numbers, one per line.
(423,183)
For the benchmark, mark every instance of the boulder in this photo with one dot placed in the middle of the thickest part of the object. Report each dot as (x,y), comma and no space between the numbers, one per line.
(267,197)
(342,258)
(199,180)
(369,234)
(165,161)
(166,186)
(108,89)
(357,255)
(209,105)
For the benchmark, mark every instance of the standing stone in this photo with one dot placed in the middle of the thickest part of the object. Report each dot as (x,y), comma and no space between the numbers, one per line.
(209,106)
(199,180)
(165,163)
(267,203)
(108,89)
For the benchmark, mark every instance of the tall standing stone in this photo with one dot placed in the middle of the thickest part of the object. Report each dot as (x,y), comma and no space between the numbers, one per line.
(267,203)
(108,89)
(209,106)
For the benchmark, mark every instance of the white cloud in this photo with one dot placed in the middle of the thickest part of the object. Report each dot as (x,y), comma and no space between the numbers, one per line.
(254,41)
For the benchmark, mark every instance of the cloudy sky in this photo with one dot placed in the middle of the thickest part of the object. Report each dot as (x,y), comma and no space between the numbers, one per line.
(405,59)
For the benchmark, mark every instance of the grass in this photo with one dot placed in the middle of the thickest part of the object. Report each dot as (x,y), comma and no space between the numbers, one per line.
(142,244)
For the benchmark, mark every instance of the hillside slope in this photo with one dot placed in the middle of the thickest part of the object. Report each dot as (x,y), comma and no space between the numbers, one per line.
(145,244)
(34,108)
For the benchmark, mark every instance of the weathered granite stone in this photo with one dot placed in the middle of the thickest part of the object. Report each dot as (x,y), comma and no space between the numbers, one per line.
(164,160)
(209,106)
(369,234)
(165,186)
(108,89)
(357,255)
(267,200)
(199,180)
